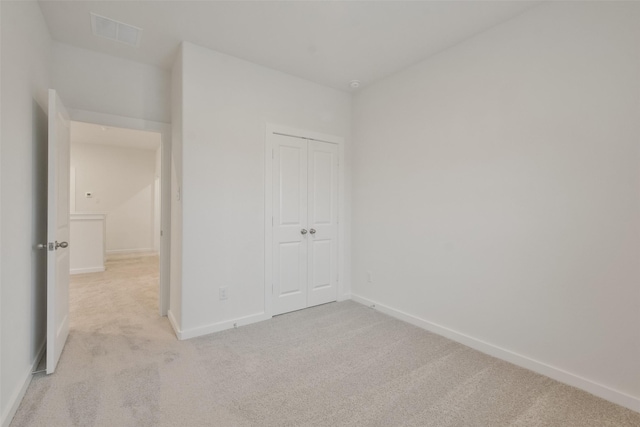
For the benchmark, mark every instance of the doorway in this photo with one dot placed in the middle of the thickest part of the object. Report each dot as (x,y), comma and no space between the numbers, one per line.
(134,154)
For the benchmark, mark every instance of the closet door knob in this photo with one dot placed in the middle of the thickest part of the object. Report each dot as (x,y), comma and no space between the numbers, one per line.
(312,231)
(303,231)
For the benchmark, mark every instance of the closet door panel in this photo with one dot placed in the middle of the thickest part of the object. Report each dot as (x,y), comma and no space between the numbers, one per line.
(290,246)
(323,223)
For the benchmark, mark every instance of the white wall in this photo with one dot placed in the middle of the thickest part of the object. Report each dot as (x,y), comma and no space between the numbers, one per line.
(226,105)
(496,193)
(87,243)
(122,181)
(25,52)
(93,81)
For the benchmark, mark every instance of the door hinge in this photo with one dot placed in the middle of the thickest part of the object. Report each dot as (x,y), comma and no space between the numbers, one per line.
(273,153)
(272,289)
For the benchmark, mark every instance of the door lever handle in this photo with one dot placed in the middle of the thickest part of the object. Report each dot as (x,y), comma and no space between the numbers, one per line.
(41,246)
(62,245)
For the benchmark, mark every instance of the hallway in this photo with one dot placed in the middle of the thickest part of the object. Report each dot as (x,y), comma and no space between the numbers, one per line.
(128,288)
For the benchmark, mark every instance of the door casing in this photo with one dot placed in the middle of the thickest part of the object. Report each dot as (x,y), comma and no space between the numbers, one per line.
(272,129)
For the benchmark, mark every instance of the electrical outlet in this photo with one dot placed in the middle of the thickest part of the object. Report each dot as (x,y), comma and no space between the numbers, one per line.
(223,292)
(369,277)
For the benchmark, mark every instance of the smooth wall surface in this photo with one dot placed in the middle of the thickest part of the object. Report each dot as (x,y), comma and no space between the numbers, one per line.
(101,83)
(87,237)
(122,183)
(226,105)
(24,83)
(496,190)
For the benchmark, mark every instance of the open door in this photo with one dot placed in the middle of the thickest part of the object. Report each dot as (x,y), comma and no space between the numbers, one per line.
(57,231)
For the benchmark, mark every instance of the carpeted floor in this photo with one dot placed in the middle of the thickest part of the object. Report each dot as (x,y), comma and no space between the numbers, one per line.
(337,364)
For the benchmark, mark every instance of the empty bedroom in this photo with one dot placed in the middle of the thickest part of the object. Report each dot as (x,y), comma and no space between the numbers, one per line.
(372,213)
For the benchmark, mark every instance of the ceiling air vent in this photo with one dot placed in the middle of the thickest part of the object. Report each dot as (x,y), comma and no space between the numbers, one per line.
(114,30)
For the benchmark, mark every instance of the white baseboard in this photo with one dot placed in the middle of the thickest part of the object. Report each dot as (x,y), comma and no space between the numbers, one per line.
(86,270)
(18,395)
(557,374)
(129,251)
(221,326)
(174,324)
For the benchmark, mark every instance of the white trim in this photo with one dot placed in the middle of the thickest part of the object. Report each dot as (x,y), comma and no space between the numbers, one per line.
(72,192)
(165,186)
(270,130)
(303,133)
(542,368)
(88,216)
(220,326)
(174,324)
(86,270)
(132,251)
(16,399)
(268,221)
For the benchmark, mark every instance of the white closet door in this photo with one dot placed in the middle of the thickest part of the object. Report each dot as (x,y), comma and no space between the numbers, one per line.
(323,223)
(290,231)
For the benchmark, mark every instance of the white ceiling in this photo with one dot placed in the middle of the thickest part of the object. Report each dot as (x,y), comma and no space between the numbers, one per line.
(329,42)
(88,133)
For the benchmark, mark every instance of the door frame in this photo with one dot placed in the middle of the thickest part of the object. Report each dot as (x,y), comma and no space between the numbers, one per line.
(272,129)
(165,186)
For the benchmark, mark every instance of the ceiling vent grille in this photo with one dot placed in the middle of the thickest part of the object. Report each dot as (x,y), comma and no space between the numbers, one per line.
(115,30)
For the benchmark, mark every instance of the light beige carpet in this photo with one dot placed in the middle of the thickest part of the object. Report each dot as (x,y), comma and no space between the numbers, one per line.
(338,364)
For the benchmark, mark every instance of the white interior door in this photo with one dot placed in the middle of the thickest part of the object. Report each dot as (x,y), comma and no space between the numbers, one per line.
(290,231)
(323,223)
(57,231)
(305,223)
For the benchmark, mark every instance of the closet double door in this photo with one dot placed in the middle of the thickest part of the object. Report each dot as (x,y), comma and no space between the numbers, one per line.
(305,223)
